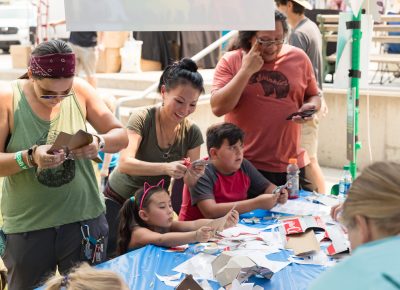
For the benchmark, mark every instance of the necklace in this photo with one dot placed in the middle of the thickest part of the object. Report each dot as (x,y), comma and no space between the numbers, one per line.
(166,154)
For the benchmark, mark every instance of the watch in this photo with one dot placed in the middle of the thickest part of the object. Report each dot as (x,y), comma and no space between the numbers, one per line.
(102,143)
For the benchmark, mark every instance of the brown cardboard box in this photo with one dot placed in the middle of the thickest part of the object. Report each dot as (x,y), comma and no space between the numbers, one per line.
(115,39)
(109,61)
(20,55)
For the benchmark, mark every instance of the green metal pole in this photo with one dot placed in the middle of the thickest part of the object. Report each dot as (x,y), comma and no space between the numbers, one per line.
(353,100)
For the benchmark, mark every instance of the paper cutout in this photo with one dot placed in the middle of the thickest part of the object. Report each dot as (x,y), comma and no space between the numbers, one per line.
(68,142)
(297,207)
(199,266)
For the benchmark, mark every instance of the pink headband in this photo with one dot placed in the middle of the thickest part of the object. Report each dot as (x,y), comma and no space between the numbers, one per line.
(147,188)
(53,65)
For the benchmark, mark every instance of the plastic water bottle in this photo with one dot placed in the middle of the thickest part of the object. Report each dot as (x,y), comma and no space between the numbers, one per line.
(292,178)
(344,183)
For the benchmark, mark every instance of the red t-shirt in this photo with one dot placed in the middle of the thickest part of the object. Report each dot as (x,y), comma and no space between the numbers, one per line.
(245,183)
(273,93)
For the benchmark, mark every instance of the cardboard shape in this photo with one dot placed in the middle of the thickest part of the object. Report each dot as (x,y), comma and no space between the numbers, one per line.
(299,225)
(227,268)
(337,236)
(188,283)
(303,243)
(68,142)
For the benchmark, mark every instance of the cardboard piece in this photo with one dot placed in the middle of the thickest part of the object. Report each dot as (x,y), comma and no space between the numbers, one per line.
(67,142)
(188,283)
(229,266)
(299,225)
(20,55)
(304,243)
(337,236)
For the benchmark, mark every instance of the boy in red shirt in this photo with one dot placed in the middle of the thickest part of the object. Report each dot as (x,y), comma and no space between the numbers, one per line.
(228,180)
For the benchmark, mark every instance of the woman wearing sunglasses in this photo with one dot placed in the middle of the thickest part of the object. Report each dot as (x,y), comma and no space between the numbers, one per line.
(49,196)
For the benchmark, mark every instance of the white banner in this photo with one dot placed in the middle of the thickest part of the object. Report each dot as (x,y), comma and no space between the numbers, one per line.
(169,15)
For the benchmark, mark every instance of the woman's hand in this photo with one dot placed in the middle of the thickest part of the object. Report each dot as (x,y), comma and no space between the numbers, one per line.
(336,211)
(45,160)
(86,152)
(175,169)
(204,234)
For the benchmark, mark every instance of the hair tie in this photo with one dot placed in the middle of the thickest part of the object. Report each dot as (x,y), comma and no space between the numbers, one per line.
(64,282)
(132,198)
(147,188)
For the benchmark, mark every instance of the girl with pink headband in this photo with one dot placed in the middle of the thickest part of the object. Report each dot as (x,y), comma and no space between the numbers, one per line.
(147,218)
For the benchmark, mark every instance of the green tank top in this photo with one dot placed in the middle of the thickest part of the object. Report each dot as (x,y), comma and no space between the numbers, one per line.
(37,200)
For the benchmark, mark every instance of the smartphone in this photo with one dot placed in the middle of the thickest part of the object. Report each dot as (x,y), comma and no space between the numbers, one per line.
(304,114)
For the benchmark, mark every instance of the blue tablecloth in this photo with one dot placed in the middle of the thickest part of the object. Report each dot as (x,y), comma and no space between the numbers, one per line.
(138,268)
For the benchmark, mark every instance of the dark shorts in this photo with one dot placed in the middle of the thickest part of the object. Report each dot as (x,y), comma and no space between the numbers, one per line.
(32,257)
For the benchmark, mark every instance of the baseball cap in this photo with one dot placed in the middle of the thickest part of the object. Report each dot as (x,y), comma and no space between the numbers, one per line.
(304,3)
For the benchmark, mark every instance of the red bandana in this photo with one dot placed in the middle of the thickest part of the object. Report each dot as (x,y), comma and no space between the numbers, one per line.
(53,65)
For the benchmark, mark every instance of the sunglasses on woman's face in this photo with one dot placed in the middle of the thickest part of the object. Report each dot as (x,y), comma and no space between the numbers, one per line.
(49,95)
(52,97)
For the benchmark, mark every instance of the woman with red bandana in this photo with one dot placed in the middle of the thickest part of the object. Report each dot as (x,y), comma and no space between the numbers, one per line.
(52,210)
(161,136)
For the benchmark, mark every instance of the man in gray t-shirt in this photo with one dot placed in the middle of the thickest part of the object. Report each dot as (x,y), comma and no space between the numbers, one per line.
(306,35)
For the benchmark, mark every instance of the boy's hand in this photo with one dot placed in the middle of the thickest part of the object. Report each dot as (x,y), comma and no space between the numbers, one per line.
(267,201)
(282,196)
(204,234)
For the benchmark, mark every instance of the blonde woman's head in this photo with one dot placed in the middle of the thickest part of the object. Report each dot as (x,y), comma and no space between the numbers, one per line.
(372,208)
(85,277)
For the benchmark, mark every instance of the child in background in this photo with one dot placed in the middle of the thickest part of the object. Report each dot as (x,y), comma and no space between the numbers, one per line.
(229,179)
(110,161)
(85,277)
(147,218)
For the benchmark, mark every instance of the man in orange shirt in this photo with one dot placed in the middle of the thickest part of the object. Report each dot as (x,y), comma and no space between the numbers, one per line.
(257,87)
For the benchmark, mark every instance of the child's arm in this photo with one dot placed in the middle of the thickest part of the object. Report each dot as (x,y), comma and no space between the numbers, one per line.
(227,221)
(210,209)
(143,236)
(106,164)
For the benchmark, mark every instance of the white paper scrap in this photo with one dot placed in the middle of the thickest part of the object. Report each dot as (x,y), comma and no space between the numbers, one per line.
(273,239)
(319,258)
(244,286)
(238,230)
(262,261)
(297,207)
(177,276)
(199,266)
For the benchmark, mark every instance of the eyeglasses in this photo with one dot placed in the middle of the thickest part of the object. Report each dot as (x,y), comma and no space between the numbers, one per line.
(269,43)
(51,97)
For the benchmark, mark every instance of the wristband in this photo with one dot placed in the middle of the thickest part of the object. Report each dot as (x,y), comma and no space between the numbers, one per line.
(31,160)
(20,161)
(101,142)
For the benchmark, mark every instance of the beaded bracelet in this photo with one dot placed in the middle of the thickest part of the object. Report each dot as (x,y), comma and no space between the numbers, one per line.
(20,160)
